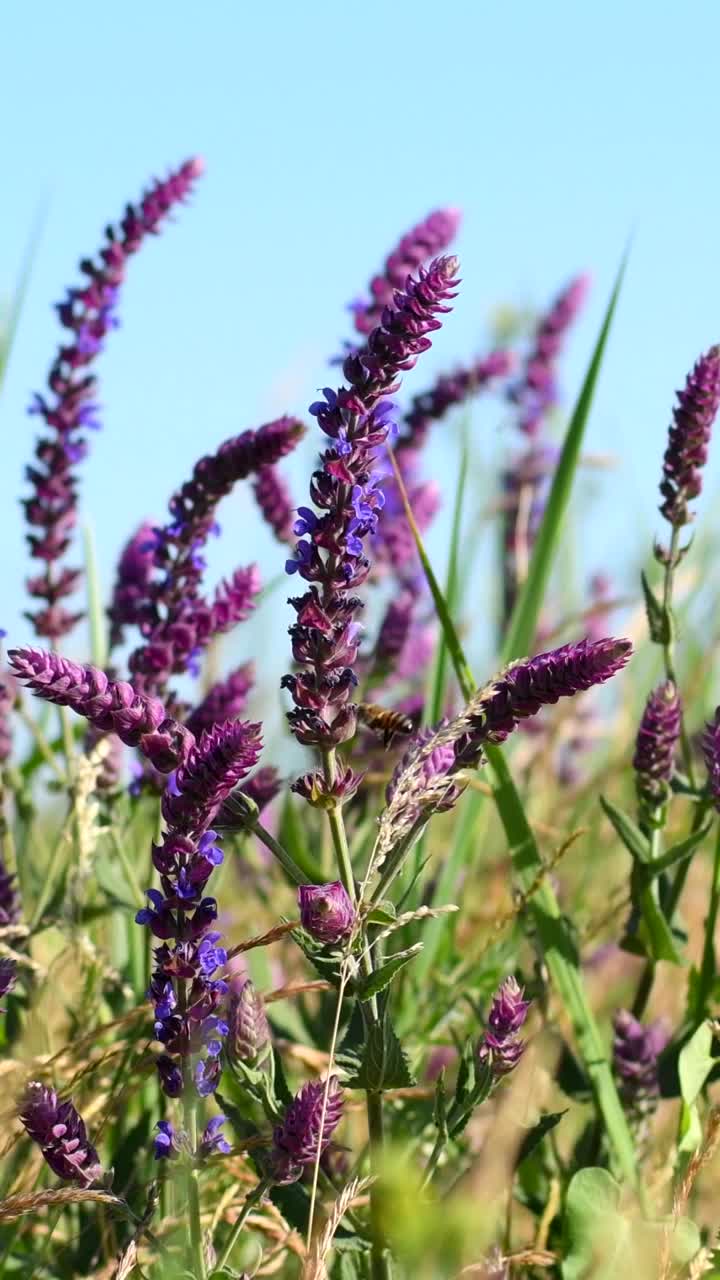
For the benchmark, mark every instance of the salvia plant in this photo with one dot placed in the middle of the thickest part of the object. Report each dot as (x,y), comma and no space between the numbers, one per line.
(427,987)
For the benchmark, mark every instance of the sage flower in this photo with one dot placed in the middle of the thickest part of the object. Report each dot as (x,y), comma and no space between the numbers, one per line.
(536,391)
(326,911)
(60,1132)
(303,1133)
(69,408)
(689,437)
(429,238)
(636,1050)
(501,1046)
(655,746)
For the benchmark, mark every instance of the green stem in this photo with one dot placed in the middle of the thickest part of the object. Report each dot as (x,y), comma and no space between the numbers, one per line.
(288,864)
(252,1198)
(669,645)
(709,963)
(379,1257)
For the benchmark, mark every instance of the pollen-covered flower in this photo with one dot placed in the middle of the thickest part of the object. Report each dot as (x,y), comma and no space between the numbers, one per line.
(306,1129)
(326,911)
(69,409)
(501,1045)
(689,437)
(60,1133)
(655,746)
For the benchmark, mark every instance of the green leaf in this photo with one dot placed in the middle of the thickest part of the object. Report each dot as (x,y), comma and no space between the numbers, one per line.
(680,851)
(637,844)
(523,623)
(534,1136)
(292,835)
(695,1063)
(657,931)
(383,1064)
(660,624)
(381,978)
(596,1235)
(435,704)
(384,913)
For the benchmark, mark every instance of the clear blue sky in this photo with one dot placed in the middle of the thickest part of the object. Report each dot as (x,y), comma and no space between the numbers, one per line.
(328,129)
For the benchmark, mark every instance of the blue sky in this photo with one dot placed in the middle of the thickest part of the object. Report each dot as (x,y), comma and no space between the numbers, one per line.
(328,129)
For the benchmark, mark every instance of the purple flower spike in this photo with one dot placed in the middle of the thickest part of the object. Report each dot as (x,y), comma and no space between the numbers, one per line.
(60,1133)
(326,911)
(655,746)
(527,686)
(224,701)
(179,621)
(428,238)
(501,1045)
(275,502)
(132,583)
(8,696)
(636,1050)
(689,437)
(223,757)
(262,786)
(303,1132)
(9,900)
(70,408)
(330,556)
(450,390)
(112,706)
(711,752)
(536,391)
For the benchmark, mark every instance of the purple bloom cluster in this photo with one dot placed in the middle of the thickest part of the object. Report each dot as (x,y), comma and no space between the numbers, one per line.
(187,994)
(711,752)
(330,554)
(132,582)
(501,1046)
(60,1133)
(655,746)
(326,911)
(112,706)
(177,621)
(225,700)
(70,409)
(304,1133)
(689,437)
(276,505)
(451,389)
(536,391)
(636,1050)
(526,484)
(170,1143)
(429,238)
(526,686)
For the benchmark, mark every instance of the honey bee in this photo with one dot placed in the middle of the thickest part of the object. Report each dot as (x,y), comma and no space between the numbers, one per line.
(383,721)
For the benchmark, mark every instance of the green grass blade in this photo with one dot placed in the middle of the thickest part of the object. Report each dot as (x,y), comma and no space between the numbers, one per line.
(7,337)
(556,939)
(523,622)
(435,704)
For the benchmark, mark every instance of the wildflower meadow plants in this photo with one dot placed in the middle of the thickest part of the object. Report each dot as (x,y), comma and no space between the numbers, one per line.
(428,987)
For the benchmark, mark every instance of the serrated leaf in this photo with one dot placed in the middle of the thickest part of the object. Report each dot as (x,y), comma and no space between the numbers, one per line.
(381,914)
(660,622)
(632,837)
(383,1064)
(381,978)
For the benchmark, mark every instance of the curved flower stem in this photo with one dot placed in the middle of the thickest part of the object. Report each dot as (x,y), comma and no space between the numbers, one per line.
(252,1198)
